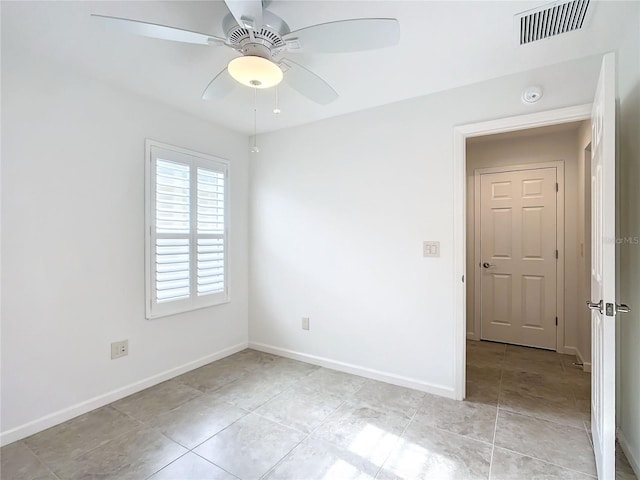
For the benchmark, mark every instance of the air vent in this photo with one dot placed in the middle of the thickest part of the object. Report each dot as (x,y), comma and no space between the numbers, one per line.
(551,20)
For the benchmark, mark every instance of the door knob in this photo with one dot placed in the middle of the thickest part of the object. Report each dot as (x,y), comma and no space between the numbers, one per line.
(488,265)
(595,306)
(622,308)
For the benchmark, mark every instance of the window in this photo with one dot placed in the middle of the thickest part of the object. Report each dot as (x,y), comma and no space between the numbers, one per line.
(186,230)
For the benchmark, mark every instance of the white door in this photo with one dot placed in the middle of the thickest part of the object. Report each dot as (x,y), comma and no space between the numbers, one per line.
(518,257)
(603,294)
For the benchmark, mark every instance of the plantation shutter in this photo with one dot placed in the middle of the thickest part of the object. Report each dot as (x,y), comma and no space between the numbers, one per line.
(186,265)
(172,280)
(210,232)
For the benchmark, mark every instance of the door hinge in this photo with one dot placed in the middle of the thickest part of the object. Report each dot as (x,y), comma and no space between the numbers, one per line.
(557,187)
(556,254)
(556,321)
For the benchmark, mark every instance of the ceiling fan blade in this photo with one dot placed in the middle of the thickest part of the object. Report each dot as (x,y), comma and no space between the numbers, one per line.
(248,13)
(345,36)
(158,31)
(220,86)
(308,83)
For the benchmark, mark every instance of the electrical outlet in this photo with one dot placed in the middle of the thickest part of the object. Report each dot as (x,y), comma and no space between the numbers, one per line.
(119,349)
(305,323)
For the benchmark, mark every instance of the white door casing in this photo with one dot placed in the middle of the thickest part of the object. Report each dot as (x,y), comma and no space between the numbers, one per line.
(603,262)
(518,257)
(460,135)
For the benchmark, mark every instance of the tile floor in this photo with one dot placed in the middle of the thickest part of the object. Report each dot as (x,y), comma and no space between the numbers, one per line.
(255,415)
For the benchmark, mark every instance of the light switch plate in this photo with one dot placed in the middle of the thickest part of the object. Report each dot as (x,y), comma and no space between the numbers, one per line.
(430,249)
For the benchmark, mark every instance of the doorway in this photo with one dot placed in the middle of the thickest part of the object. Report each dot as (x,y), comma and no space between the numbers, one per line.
(511,176)
(460,198)
(547,317)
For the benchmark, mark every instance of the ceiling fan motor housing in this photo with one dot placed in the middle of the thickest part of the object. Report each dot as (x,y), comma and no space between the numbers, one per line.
(266,42)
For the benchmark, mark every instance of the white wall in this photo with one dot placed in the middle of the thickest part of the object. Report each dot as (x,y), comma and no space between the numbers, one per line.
(73,245)
(520,148)
(339,210)
(628,326)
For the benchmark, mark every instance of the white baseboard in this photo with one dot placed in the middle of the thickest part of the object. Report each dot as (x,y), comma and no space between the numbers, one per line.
(357,370)
(634,458)
(586,366)
(73,411)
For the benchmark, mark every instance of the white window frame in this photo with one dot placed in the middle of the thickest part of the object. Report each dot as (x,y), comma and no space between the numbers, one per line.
(153,309)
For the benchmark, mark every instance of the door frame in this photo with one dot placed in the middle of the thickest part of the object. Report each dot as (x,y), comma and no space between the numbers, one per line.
(477,173)
(460,135)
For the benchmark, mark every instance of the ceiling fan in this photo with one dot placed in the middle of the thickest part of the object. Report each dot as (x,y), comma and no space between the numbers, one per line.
(264,39)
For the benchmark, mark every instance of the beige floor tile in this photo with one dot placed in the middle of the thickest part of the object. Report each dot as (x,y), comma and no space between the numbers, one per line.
(18,462)
(483,393)
(473,420)
(134,455)
(197,420)
(429,453)
(301,408)
(553,387)
(484,374)
(253,390)
(485,354)
(154,401)
(317,459)
(533,360)
(80,435)
(556,409)
(561,445)
(212,376)
(251,360)
(385,396)
(286,368)
(486,346)
(192,467)
(507,465)
(367,432)
(250,447)
(333,381)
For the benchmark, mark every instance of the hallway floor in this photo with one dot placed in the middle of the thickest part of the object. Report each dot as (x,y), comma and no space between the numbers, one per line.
(255,415)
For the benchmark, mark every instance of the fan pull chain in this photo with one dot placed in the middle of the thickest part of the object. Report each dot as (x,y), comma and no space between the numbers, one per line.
(255,148)
(277,110)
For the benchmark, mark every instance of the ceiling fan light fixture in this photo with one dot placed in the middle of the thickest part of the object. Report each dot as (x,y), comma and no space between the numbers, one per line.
(254,71)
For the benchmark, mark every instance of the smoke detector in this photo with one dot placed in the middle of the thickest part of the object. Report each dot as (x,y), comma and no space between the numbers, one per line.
(531,95)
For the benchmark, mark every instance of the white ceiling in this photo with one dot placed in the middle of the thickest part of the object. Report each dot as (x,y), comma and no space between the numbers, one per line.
(443,45)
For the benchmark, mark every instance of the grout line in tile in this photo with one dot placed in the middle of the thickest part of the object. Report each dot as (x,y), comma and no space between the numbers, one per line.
(213,463)
(398,440)
(524,414)
(547,462)
(460,435)
(272,468)
(165,466)
(307,435)
(586,430)
(42,462)
(140,425)
(279,423)
(495,427)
